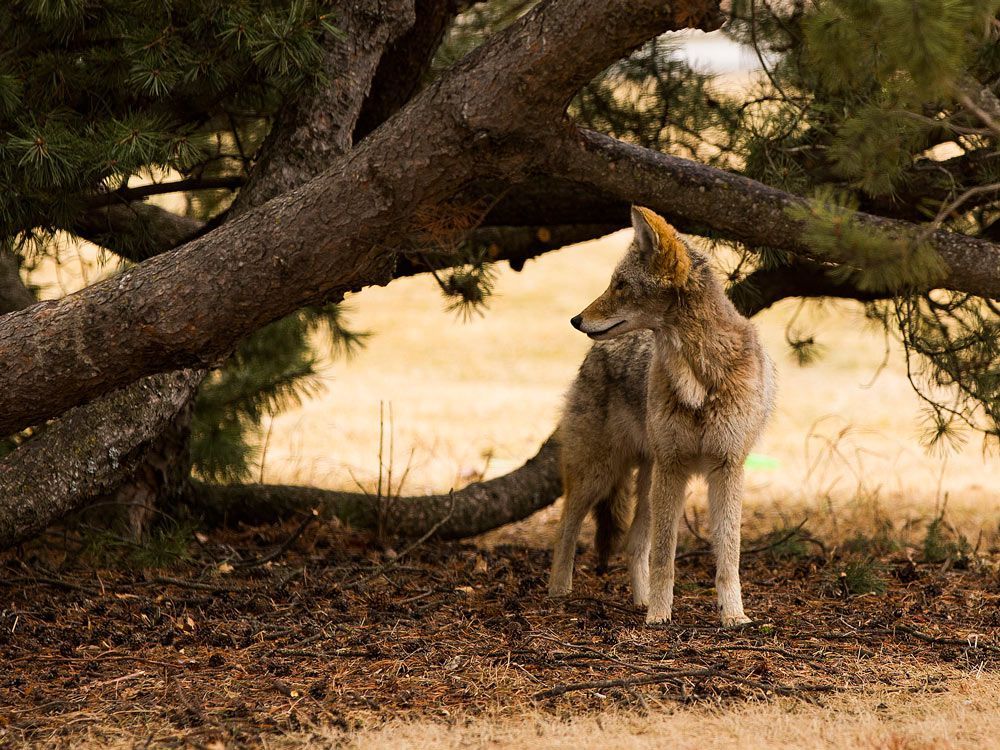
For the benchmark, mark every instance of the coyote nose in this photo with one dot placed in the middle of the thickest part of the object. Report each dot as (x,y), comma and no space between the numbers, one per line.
(576,321)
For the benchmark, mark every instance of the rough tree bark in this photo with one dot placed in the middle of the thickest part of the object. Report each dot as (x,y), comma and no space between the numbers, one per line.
(406,61)
(14,295)
(93,449)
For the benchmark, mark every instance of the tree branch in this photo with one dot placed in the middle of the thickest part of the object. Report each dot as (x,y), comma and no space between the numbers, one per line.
(403,66)
(738,208)
(189,184)
(136,231)
(475,509)
(764,287)
(516,245)
(14,295)
(316,128)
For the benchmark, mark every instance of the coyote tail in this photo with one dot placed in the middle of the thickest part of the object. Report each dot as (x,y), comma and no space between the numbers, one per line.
(611,515)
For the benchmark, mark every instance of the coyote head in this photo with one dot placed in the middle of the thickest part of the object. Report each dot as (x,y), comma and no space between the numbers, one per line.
(646,285)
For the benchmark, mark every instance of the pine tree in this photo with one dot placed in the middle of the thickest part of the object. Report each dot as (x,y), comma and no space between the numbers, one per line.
(93,95)
(891,106)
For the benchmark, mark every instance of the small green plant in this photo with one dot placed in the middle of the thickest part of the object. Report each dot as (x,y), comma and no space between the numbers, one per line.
(860,575)
(786,543)
(167,544)
(941,544)
(879,544)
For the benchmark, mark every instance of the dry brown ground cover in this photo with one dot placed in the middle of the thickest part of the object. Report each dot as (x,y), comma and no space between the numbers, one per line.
(228,647)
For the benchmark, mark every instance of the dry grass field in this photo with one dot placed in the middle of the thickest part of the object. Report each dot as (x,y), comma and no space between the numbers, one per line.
(963,716)
(460,398)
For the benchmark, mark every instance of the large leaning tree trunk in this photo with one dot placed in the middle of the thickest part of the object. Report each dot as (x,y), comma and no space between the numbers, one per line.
(321,217)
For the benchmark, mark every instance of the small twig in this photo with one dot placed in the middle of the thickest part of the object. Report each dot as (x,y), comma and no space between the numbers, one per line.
(762,548)
(655,679)
(694,531)
(604,603)
(928,638)
(116,680)
(395,561)
(263,451)
(597,653)
(57,582)
(981,113)
(764,649)
(949,208)
(283,547)
(197,585)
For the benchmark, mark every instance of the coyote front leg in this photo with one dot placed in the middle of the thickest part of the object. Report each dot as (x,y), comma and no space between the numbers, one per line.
(638,540)
(725,507)
(666,501)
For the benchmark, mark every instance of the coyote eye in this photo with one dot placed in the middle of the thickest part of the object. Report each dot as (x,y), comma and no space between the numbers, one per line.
(618,285)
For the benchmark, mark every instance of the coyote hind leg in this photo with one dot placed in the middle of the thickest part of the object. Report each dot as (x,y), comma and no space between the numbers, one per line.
(583,491)
(725,506)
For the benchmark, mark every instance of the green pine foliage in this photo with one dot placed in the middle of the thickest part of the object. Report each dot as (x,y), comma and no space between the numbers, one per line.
(271,370)
(876,262)
(652,99)
(93,93)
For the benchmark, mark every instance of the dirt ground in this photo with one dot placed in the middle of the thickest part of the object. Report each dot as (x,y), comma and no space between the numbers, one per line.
(269,637)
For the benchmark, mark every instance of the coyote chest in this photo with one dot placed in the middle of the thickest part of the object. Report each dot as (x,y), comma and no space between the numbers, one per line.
(687,387)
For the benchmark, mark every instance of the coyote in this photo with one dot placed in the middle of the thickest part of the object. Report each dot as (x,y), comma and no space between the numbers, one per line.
(679,384)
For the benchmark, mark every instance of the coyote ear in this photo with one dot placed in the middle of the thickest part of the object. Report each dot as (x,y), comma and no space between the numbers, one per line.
(660,246)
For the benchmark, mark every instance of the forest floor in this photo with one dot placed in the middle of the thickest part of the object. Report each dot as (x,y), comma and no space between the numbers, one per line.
(292,636)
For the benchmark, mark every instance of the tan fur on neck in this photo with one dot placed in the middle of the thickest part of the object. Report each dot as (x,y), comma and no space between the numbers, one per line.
(671,261)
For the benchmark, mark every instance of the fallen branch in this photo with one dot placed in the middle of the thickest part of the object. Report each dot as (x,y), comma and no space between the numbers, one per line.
(472,510)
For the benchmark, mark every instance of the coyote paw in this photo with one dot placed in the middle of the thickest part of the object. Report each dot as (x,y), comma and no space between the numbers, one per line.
(642,602)
(559,592)
(735,621)
(657,621)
